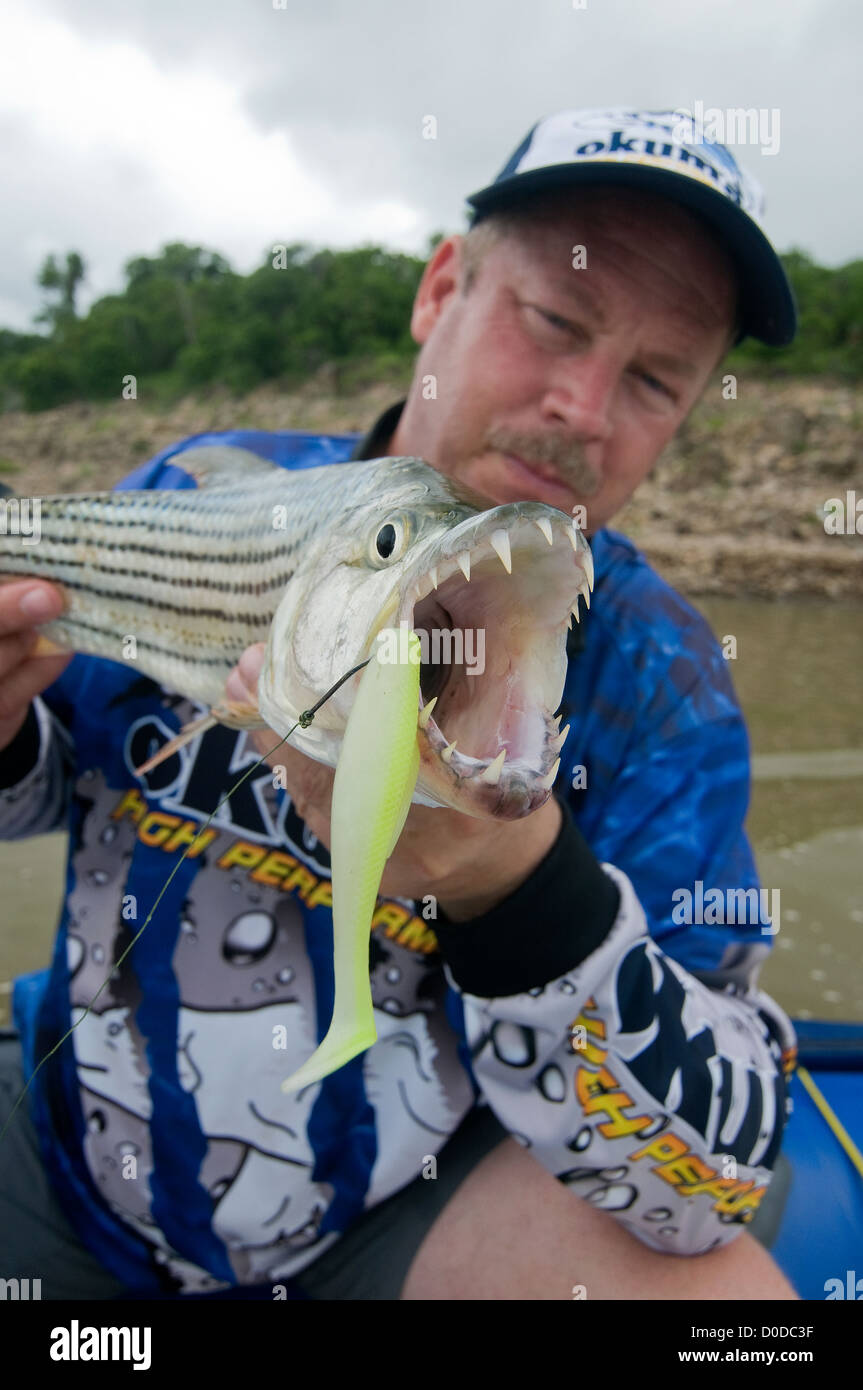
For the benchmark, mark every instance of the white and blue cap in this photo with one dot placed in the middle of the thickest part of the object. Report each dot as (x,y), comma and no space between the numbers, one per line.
(662,152)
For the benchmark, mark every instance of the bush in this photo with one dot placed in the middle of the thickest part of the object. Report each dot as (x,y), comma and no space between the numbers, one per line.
(186,321)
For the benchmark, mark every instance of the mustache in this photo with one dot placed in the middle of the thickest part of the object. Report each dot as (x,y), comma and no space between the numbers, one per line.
(565,456)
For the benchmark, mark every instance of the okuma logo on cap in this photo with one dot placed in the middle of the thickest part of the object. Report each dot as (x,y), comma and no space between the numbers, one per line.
(651,138)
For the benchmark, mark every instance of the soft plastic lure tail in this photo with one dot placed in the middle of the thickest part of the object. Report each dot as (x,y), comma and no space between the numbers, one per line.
(375,778)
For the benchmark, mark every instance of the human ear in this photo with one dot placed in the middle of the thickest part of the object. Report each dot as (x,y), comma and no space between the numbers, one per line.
(439,282)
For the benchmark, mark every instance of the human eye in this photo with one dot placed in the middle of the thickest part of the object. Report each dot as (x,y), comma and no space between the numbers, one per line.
(546,322)
(655,386)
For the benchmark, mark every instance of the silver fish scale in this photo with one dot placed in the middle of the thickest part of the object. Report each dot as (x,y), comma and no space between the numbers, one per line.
(194,576)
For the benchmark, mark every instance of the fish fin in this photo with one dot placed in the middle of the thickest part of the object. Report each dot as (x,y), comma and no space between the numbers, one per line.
(186,734)
(229,712)
(238,715)
(215,464)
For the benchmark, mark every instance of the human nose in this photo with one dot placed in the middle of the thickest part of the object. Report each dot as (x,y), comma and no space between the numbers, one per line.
(579,398)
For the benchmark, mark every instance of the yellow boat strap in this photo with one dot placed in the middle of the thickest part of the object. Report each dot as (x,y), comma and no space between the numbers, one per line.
(832,1120)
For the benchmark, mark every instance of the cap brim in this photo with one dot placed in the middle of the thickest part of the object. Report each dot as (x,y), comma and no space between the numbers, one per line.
(767,302)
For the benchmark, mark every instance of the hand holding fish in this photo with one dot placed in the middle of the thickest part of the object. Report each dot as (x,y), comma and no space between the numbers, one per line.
(467,864)
(23,674)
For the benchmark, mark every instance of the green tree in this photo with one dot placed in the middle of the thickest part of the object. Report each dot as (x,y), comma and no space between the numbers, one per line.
(185,320)
(188,265)
(65,281)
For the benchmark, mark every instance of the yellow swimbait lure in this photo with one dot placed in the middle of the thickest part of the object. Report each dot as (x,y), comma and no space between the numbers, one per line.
(375,778)
(377,770)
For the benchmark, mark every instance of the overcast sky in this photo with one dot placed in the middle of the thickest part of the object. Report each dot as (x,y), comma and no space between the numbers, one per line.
(235,124)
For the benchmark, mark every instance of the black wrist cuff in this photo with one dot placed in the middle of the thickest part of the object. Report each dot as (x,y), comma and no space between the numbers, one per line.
(549,925)
(22,753)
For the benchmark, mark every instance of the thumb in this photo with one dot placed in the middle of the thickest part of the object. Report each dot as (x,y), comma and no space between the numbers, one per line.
(242,683)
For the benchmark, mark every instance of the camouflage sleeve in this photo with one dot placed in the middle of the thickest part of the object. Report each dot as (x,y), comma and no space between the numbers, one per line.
(37,801)
(649,1094)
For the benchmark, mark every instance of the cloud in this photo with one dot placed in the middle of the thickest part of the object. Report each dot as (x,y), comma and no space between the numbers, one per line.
(111,154)
(235,124)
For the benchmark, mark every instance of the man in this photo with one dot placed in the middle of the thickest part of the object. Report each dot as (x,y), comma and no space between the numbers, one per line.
(624,1047)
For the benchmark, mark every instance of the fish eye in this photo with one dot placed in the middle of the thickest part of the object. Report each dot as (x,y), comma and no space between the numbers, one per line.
(390,540)
(385,541)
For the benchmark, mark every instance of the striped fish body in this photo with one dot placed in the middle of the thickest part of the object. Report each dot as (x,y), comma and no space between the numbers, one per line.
(194,577)
(181,582)
(316,563)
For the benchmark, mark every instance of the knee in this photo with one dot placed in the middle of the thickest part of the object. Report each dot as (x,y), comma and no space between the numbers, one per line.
(512,1231)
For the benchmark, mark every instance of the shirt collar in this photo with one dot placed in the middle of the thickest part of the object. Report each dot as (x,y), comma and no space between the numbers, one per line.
(374,444)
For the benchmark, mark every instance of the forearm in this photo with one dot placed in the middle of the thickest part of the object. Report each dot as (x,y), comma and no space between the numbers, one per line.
(501,863)
(649,1094)
(532,934)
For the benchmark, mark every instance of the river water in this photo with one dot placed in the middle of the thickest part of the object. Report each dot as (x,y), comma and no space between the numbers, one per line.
(798,671)
(799,676)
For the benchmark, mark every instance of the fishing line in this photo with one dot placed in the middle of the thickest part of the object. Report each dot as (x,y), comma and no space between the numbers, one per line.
(303,722)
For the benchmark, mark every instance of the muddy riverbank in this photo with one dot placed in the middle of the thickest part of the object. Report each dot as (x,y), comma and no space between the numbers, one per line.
(735,505)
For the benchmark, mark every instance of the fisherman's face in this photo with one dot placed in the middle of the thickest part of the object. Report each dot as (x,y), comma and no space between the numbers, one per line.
(564,384)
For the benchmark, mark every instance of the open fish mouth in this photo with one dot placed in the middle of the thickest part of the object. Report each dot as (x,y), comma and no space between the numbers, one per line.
(492,606)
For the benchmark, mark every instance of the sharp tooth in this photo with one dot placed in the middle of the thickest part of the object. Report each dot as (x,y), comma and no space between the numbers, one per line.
(500,545)
(547,781)
(545,527)
(561,738)
(433,575)
(587,561)
(425,713)
(585,594)
(575,613)
(556,722)
(493,771)
(464,564)
(574,541)
(449,750)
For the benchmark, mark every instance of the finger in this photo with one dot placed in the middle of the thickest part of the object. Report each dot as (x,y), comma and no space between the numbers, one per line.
(305,780)
(309,785)
(27,679)
(299,766)
(236,688)
(271,747)
(315,820)
(250,664)
(242,683)
(317,823)
(24,604)
(14,649)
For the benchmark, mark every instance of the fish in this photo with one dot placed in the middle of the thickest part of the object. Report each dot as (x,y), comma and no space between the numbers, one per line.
(342,570)
(317,563)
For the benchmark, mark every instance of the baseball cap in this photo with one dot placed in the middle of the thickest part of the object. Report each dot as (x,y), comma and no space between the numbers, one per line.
(662,152)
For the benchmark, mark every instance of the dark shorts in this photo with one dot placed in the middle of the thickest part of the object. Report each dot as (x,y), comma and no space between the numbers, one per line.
(370,1261)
